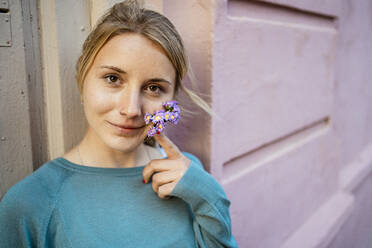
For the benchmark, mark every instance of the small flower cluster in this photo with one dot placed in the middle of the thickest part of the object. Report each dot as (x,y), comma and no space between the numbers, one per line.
(161,117)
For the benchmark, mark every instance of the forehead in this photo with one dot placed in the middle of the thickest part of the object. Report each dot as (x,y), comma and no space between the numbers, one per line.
(135,53)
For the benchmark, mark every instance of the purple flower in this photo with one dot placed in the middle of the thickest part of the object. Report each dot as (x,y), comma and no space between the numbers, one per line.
(160,126)
(177,119)
(151,132)
(148,118)
(167,115)
(158,117)
(176,108)
(170,104)
(174,117)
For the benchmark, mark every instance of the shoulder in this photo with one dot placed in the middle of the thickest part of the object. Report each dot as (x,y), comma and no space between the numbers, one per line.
(34,195)
(26,208)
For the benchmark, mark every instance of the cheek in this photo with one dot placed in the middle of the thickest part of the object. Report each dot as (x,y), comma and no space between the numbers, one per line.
(99,101)
(153,106)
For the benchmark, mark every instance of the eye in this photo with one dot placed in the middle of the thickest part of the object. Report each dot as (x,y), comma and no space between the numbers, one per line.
(155,89)
(111,79)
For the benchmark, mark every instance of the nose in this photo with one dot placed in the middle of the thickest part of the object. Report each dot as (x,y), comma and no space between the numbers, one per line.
(130,103)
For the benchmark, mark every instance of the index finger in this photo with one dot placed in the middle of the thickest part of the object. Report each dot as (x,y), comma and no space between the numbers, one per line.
(169,147)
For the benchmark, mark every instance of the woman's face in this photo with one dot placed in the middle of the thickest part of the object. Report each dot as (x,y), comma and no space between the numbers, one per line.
(131,75)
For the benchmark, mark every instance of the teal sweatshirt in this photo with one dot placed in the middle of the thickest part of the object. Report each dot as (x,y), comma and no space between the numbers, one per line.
(63,204)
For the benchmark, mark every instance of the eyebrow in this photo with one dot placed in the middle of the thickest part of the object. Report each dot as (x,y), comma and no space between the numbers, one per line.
(154,80)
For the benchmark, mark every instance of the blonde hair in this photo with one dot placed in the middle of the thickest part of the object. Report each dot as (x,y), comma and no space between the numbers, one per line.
(131,16)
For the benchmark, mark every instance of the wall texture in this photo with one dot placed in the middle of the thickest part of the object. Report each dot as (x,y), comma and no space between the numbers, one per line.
(353,117)
(296,162)
(22,128)
(273,81)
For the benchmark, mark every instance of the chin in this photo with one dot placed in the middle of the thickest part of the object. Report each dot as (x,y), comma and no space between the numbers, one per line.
(120,142)
(123,143)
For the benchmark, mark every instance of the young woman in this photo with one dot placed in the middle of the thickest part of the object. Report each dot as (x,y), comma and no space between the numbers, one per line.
(117,187)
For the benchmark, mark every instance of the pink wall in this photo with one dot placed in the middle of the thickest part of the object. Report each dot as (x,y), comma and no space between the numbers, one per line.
(353,116)
(290,80)
(273,79)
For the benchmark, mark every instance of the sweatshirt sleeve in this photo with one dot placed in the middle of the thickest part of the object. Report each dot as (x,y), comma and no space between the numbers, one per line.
(209,206)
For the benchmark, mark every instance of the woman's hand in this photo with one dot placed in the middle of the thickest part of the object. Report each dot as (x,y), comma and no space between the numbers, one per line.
(167,171)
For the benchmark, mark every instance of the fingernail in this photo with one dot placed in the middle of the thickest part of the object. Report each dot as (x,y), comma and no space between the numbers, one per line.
(143,180)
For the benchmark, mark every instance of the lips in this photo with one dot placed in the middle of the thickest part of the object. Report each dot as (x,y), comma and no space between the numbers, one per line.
(126,126)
